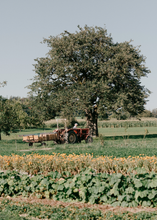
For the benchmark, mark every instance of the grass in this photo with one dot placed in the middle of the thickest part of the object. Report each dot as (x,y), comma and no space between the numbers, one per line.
(116,142)
(22,210)
(127,132)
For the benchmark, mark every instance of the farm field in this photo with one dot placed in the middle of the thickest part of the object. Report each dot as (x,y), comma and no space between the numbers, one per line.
(117,147)
(116,142)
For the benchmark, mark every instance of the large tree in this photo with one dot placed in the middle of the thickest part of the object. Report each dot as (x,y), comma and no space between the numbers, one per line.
(87,71)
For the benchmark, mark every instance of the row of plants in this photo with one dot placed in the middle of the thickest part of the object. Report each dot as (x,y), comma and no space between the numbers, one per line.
(17,210)
(127,124)
(35,163)
(61,125)
(21,210)
(87,187)
(117,124)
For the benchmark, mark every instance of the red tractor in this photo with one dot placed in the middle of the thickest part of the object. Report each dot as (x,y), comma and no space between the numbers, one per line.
(71,136)
(74,135)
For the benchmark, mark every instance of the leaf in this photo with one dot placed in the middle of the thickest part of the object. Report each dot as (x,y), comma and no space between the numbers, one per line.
(39,196)
(124,204)
(121,197)
(130,190)
(69,192)
(153,183)
(152,194)
(146,203)
(115,204)
(116,178)
(103,198)
(143,194)
(82,193)
(60,187)
(137,194)
(24,194)
(102,189)
(92,200)
(11,182)
(67,185)
(75,190)
(133,204)
(129,198)
(52,191)
(47,194)
(114,191)
(140,170)
(95,190)
(137,183)
(61,181)
(86,178)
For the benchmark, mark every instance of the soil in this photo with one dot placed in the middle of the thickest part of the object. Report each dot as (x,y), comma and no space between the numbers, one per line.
(103,208)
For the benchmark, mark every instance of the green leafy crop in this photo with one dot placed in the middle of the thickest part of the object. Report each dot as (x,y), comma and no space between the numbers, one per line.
(88,187)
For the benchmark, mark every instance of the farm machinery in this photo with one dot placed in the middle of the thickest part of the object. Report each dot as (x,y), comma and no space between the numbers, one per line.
(59,136)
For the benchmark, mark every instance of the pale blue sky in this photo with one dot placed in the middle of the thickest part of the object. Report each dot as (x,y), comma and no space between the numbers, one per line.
(24,24)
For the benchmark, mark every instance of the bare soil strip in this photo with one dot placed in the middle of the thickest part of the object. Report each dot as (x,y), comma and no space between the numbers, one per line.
(103,208)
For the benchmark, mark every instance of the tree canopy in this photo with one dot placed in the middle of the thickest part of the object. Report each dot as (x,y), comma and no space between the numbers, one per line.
(87,71)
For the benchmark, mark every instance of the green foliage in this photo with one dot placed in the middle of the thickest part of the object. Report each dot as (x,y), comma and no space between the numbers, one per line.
(44,211)
(116,189)
(15,208)
(12,116)
(81,124)
(129,124)
(146,113)
(154,112)
(114,145)
(87,72)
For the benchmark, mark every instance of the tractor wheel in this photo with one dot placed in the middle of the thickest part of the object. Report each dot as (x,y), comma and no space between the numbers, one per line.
(72,137)
(89,139)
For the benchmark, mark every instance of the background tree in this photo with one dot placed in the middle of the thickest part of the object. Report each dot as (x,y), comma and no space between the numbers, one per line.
(12,116)
(30,112)
(87,71)
(146,113)
(154,113)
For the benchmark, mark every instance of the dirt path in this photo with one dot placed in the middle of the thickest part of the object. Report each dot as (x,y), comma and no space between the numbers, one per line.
(103,208)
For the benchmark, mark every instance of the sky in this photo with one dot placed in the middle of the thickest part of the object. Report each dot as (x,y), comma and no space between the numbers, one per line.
(24,24)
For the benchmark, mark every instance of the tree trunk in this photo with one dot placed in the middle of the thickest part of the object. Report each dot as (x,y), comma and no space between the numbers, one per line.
(92,124)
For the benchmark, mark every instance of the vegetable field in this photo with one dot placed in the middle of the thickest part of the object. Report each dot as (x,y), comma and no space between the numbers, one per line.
(88,187)
(119,169)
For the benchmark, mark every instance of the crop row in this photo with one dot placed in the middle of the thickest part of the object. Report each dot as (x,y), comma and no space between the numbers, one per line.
(117,124)
(127,124)
(15,210)
(35,163)
(86,187)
